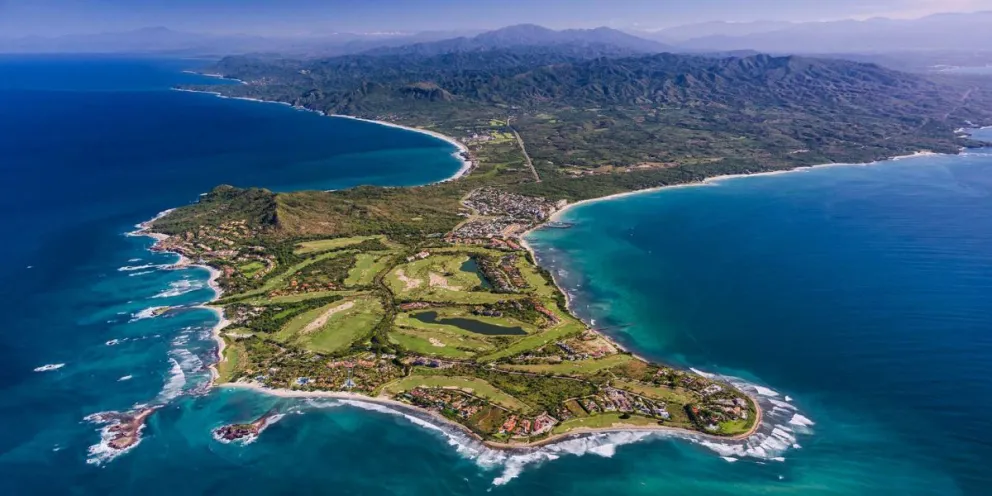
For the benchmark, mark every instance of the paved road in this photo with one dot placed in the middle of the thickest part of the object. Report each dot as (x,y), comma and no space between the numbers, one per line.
(520,142)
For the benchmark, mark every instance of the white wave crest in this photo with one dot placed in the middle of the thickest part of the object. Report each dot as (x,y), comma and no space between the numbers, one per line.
(513,463)
(132,268)
(148,313)
(174,384)
(180,287)
(49,367)
(125,378)
(140,273)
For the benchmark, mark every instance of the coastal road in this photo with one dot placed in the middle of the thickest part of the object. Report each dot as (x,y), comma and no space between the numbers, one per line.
(520,142)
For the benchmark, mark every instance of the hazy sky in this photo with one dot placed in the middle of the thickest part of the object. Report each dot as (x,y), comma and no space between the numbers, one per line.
(52,17)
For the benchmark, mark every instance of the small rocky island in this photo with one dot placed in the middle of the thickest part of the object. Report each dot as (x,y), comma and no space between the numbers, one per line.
(123,429)
(245,433)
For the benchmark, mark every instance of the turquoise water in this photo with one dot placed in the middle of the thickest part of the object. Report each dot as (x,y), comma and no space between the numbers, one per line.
(860,293)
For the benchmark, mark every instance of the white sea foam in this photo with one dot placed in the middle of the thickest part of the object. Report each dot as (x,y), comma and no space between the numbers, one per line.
(147,313)
(513,463)
(125,378)
(50,366)
(729,459)
(132,260)
(765,391)
(776,434)
(132,268)
(801,420)
(113,342)
(140,273)
(180,287)
(174,384)
(102,452)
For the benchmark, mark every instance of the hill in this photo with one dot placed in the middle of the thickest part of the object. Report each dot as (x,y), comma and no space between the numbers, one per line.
(587,43)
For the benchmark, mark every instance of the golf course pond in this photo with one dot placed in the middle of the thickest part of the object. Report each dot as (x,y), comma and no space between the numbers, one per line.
(471,325)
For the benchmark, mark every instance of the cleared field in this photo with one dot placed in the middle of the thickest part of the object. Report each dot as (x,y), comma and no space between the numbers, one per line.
(330,244)
(565,329)
(578,367)
(333,327)
(367,265)
(603,421)
(658,393)
(477,387)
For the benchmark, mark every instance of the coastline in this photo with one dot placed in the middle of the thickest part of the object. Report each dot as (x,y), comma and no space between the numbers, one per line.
(552,439)
(715,179)
(466,168)
(462,152)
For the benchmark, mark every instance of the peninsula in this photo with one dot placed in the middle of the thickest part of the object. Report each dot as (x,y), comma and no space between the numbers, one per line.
(428,296)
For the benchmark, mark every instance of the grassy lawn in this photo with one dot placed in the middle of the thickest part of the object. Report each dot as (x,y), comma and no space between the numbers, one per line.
(535,280)
(229,367)
(602,421)
(251,268)
(344,322)
(578,367)
(367,265)
(440,278)
(665,394)
(734,427)
(458,339)
(478,387)
(330,244)
(418,344)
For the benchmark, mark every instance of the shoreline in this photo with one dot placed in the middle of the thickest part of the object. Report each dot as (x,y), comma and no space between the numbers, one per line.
(465,169)
(462,153)
(522,446)
(715,179)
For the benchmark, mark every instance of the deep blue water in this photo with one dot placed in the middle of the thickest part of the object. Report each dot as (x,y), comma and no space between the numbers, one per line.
(859,292)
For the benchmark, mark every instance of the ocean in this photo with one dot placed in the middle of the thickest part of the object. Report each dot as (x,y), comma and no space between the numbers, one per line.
(852,299)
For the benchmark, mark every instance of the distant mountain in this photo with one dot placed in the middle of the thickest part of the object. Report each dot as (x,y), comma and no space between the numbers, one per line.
(600,42)
(937,32)
(715,28)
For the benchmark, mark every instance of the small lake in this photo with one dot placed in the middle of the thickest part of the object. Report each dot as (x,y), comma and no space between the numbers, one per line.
(472,266)
(470,325)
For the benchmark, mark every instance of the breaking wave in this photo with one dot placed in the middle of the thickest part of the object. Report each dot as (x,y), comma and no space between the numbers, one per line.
(781,426)
(180,287)
(148,313)
(50,366)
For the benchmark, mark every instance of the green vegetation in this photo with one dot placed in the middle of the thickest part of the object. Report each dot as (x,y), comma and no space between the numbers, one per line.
(333,327)
(367,266)
(604,421)
(472,385)
(425,293)
(579,367)
(330,244)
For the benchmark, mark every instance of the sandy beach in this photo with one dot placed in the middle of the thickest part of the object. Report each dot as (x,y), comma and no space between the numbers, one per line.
(715,179)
